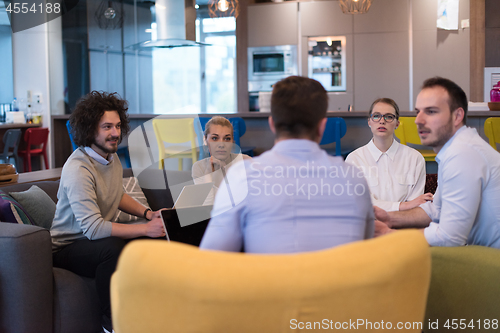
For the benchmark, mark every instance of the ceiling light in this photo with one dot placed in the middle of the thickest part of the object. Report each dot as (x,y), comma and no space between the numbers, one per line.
(223,8)
(355,6)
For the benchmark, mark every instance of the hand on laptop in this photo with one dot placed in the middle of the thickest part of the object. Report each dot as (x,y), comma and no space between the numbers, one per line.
(157,213)
(154,228)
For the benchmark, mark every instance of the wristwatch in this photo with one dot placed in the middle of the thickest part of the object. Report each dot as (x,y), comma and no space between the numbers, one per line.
(146,213)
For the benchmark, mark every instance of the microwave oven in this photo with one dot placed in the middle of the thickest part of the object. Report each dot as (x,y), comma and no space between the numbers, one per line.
(269,64)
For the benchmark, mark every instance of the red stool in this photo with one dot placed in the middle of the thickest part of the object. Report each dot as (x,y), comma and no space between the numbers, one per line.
(35,137)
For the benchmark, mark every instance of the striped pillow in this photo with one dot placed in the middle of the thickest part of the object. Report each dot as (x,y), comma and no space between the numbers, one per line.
(11,211)
(132,188)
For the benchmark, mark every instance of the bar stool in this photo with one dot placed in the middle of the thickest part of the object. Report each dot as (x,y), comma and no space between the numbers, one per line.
(11,140)
(35,137)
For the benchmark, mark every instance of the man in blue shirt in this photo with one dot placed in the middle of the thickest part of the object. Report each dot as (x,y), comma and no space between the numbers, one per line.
(294,197)
(466,206)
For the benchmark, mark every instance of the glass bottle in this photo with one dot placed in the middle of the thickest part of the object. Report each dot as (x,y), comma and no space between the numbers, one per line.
(495,93)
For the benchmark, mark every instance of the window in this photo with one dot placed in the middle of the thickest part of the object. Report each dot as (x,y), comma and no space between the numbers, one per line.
(217,63)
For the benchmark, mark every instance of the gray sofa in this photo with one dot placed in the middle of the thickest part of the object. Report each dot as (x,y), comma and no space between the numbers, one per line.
(35,296)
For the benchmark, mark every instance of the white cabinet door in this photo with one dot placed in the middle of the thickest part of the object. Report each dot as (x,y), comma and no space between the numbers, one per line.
(102,39)
(272,24)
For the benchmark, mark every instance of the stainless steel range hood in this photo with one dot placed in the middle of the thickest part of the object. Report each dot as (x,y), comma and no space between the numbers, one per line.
(170,27)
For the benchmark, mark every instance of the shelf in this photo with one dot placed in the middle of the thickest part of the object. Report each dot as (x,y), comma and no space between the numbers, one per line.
(316,71)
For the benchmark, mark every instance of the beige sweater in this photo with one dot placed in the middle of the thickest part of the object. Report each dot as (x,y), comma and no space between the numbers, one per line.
(88,198)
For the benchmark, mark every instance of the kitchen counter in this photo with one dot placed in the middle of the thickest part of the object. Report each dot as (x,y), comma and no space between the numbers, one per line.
(12,125)
(343,114)
(258,133)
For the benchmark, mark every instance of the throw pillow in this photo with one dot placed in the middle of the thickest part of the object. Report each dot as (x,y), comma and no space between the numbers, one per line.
(13,212)
(132,188)
(38,205)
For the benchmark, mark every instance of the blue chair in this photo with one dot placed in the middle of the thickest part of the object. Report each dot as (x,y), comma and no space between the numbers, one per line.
(239,129)
(335,130)
(73,144)
(199,133)
(121,150)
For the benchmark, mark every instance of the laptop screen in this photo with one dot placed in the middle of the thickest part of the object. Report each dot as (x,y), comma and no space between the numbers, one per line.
(186,225)
(193,195)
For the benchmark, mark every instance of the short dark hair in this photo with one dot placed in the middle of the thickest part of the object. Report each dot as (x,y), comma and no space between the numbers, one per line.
(457,97)
(388,101)
(297,106)
(89,111)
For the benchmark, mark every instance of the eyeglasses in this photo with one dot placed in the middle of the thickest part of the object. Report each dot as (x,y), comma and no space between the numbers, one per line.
(388,117)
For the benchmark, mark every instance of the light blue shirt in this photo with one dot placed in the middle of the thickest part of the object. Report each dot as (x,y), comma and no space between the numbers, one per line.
(466,207)
(293,198)
(92,153)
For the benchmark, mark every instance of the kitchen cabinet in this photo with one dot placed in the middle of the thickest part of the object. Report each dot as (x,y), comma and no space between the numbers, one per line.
(114,65)
(327,61)
(100,39)
(271,24)
(106,71)
(138,71)
(323,18)
(140,14)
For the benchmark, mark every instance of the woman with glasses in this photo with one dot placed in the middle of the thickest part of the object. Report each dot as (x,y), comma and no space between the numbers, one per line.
(395,173)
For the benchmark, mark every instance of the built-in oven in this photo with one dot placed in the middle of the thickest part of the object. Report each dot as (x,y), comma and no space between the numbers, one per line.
(253,100)
(271,62)
(266,66)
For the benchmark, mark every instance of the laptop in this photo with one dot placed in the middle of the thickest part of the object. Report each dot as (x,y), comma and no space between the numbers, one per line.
(186,225)
(193,195)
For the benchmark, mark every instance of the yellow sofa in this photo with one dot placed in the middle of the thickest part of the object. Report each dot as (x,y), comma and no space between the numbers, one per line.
(172,287)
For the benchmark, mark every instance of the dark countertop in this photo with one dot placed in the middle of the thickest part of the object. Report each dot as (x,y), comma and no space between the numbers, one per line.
(8,126)
(345,114)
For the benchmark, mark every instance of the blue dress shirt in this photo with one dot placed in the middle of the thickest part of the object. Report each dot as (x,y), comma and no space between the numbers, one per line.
(466,207)
(293,198)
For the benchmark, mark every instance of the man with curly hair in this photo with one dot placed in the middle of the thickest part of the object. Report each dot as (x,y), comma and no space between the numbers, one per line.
(84,238)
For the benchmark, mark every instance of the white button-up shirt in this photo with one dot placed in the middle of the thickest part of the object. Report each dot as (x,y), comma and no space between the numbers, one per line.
(396,176)
(466,207)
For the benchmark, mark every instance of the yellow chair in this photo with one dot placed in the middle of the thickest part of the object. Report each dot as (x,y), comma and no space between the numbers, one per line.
(175,131)
(492,131)
(161,286)
(407,133)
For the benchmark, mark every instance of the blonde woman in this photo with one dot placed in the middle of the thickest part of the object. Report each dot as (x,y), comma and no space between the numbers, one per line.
(218,135)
